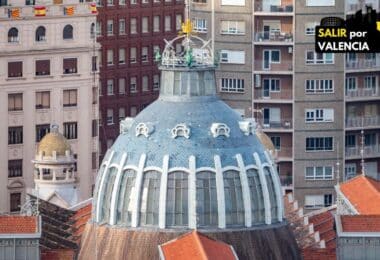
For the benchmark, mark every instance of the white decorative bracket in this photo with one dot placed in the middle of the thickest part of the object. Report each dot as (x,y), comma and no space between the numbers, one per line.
(218,129)
(181,130)
(145,129)
(248,126)
(126,124)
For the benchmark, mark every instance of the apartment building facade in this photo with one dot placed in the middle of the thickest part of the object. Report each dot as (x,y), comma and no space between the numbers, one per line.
(320,110)
(48,75)
(130,33)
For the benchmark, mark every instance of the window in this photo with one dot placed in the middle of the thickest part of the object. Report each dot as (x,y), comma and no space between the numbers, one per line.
(14,69)
(133,2)
(313,57)
(233,198)
(150,198)
(15,135)
(124,209)
(319,143)
(109,57)
(109,2)
(13,35)
(121,2)
(109,116)
(132,55)
(144,22)
(370,82)
(145,86)
(70,65)
(15,102)
(95,95)
(41,131)
(133,26)
(233,27)
(200,25)
(233,2)
(94,129)
(370,139)
(168,25)
(68,32)
(122,86)
(319,86)
(133,85)
(320,2)
(350,140)
(92,31)
(94,63)
(109,27)
(310,28)
(14,168)
(232,85)
(70,130)
(351,83)
(272,84)
(110,91)
(233,57)
(70,98)
(156,82)
(177,199)
(144,54)
(121,113)
(207,208)
(319,173)
(42,67)
(98,28)
(319,115)
(318,201)
(133,111)
(121,26)
(122,56)
(276,140)
(42,99)
(178,21)
(156,23)
(15,202)
(40,34)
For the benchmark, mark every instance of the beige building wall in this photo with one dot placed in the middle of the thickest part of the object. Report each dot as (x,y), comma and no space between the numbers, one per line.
(84,81)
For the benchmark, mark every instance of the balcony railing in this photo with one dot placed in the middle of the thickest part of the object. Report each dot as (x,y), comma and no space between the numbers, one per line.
(268,95)
(286,180)
(284,152)
(360,121)
(260,7)
(283,66)
(363,92)
(285,123)
(273,36)
(362,64)
(368,151)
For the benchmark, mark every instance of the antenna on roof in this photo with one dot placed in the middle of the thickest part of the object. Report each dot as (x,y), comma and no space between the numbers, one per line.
(362,151)
(337,164)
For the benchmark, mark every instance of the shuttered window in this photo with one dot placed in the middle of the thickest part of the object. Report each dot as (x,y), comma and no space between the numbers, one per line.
(70,66)
(42,99)
(14,69)
(15,102)
(42,67)
(70,98)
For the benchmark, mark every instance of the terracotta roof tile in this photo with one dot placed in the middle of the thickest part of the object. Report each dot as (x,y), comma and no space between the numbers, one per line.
(324,224)
(18,225)
(319,254)
(363,193)
(360,223)
(195,246)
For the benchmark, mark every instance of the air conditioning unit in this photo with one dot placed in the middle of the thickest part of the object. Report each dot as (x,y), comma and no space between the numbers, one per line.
(258,81)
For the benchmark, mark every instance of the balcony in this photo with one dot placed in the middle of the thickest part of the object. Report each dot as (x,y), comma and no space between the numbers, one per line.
(283,124)
(274,37)
(285,154)
(281,96)
(368,151)
(266,67)
(265,7)
(363,93)
(363,64)
(359,122)
(286,181)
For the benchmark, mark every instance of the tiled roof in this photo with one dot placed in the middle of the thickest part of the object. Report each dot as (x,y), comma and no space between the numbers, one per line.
(80,218)
(195,246)
(319,254)
(360,223)
(324,224)
(363,193)
(60,254)
(18,225)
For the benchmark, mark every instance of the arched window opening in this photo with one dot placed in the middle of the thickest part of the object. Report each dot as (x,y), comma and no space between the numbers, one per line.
(124,204)
(108,187)
(150,197)
(92,31)
(272,194)
(40,34)
(257,198)
(207,203)
(233,198)
(13,35)
(68,32)
(177,199)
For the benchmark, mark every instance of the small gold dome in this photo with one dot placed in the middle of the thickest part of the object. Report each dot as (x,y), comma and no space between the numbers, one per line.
(266,141)
(53,141)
